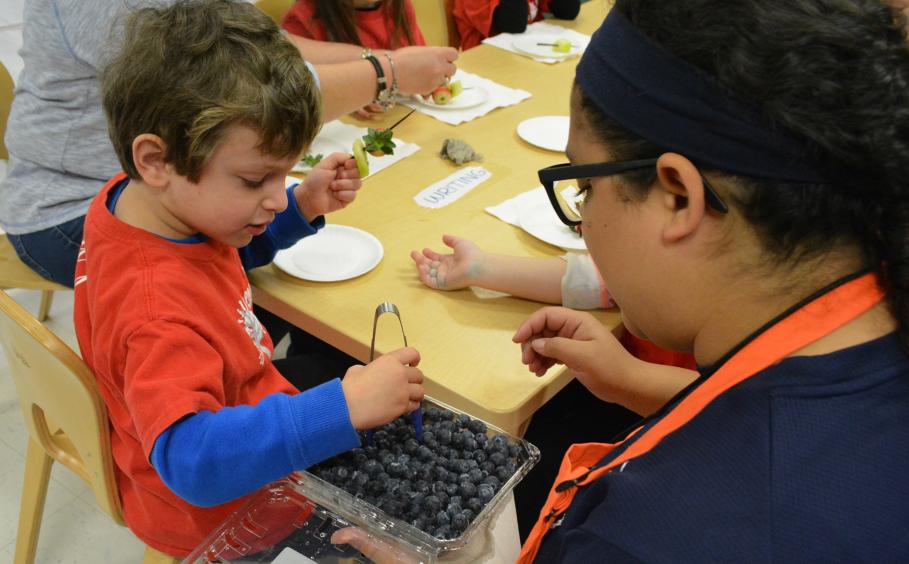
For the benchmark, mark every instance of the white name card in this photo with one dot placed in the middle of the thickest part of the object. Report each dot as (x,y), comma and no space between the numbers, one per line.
(453,187)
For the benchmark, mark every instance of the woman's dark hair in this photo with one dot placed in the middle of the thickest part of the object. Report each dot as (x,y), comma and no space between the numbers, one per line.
(339,19)
(835,73)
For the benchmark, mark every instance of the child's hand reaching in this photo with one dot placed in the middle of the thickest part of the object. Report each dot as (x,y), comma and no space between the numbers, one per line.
(331,185)
(384,389)
(580,342)
(453,271)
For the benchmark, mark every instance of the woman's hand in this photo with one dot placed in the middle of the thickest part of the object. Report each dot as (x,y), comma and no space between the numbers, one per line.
(377,550)
(453,271)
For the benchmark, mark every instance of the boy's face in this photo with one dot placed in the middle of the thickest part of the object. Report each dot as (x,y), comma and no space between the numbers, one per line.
(238,194)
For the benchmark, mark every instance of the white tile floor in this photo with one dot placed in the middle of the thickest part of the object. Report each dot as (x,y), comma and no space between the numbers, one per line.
(74,530)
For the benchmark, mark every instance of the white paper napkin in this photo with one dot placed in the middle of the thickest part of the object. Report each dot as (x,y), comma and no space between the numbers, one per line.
(505,40)
(510,210)
(342,135)
(499,97)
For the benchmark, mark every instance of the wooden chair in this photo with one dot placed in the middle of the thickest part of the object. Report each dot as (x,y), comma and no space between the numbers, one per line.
(66,421)
(275,8)
(437,23)
(13,272)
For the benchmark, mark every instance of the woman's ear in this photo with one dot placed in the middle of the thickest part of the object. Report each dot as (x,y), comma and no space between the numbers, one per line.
(149,152)
(683,195)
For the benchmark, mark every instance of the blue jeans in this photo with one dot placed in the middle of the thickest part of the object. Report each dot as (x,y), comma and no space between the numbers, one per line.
(52,252)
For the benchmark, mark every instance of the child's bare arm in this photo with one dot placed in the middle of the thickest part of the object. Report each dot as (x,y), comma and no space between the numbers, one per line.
(536,279)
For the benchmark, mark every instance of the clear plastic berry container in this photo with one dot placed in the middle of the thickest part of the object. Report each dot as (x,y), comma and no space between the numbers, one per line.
(301,512)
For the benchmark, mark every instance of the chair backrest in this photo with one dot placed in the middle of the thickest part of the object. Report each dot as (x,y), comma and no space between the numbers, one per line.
(437,23)
(275,8)
(6,101)
(63,410)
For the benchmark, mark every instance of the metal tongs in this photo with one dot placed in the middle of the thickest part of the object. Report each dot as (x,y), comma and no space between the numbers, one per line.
(383,308)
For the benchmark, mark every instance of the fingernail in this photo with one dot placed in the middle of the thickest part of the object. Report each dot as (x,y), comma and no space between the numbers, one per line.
(537,345)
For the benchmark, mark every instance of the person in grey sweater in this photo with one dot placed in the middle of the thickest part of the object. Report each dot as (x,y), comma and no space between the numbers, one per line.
(60,153)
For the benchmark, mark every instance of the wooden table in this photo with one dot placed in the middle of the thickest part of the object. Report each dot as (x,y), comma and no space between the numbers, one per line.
(468,357)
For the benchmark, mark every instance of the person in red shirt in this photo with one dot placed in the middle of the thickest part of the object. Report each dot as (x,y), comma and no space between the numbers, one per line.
(479,19)
(382,24)
(199,415)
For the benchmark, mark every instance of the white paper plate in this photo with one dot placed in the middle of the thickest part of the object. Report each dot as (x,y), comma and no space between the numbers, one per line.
(528,44)
(546,132)
(541,221)
(322,146)
(336,252)
(471,97)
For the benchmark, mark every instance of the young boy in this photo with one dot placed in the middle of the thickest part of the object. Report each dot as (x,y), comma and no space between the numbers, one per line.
(208,107)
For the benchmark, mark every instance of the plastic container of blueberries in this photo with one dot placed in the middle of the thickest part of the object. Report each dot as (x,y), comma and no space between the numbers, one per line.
(299,513)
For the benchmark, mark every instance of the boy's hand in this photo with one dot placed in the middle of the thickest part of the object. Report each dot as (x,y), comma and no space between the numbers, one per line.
(580,342)
(453,271)
(384,389)
(331,185)
(370,111)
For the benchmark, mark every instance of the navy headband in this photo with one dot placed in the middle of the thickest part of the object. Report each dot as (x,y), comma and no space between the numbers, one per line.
(671,103)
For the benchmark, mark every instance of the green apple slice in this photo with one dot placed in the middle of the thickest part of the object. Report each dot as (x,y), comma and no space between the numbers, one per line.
(359,153)
(455,88)
(562,45)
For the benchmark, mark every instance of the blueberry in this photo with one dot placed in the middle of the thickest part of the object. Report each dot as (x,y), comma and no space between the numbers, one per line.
(468,490)
(487,467)
(440,473)
(475,505)
(514,450)
(476,475)
(447,425)
(421,486)
(470,444)
(497,458)
(429,437)
(438,486)
(485,492)
(479,456)
(481,439)
(431,504)
(442,532)
(385,457)
(444,498)
(463,420)
(492,481)
(499,443)
(411,446)
(444,436)
(459,522)
(468,514)
(442,519)
(360,480)
(461,466)
(395,469)
(503,474)
(433,414)
(421,523)
(472,464)
(453,509)
(477,426)
(424,453)
(451,489)
(457,440)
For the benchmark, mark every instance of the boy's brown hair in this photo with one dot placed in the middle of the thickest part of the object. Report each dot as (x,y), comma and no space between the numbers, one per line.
(187,72)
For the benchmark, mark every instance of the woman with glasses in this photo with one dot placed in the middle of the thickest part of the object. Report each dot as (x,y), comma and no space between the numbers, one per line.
(742,167)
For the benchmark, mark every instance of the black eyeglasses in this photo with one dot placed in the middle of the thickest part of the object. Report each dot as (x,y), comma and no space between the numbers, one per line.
(558,180)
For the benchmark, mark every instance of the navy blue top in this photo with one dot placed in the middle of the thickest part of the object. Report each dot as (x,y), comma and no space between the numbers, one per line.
(805,461)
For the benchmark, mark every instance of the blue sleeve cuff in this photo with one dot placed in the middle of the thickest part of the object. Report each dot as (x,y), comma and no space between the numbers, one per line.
(290,226)
(322,423)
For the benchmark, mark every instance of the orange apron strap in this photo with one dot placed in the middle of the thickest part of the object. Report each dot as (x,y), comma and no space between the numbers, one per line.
(813,321)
